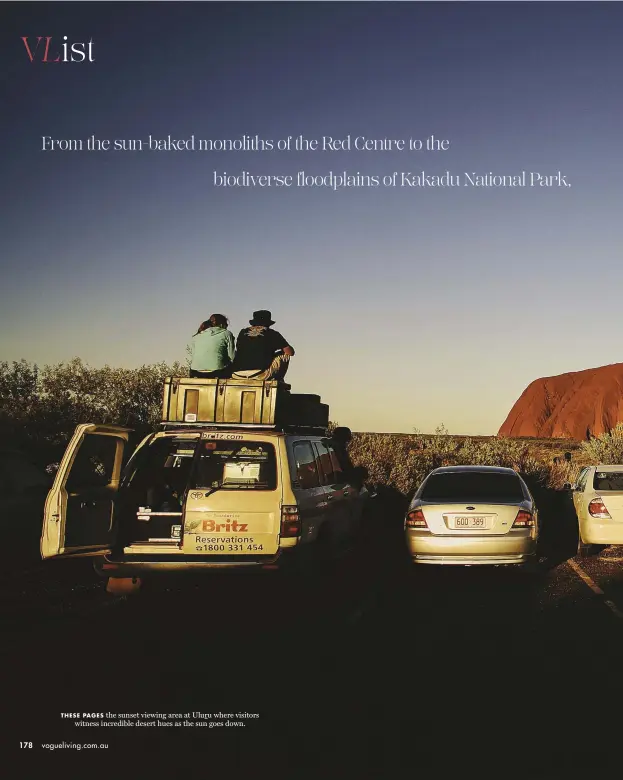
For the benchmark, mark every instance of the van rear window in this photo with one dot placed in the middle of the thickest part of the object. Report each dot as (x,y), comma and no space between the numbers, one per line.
(608,480)
(232,465)
(475,486)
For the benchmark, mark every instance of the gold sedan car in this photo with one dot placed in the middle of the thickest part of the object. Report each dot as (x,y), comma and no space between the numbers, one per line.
(470,515)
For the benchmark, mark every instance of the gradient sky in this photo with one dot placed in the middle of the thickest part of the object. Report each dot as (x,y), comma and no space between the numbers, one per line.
(407,308)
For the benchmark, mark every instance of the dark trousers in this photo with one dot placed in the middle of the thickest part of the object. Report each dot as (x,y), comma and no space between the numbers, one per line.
(222,373)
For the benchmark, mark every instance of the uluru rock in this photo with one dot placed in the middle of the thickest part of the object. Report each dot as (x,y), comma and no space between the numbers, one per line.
(569,406)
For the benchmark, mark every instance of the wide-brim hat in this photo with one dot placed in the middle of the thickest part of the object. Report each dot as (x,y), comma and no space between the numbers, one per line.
(262,317)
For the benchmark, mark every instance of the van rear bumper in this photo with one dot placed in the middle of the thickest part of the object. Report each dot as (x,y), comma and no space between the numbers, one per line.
(106,567)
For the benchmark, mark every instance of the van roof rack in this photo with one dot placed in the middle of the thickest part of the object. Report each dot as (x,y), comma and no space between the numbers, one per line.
(211,426)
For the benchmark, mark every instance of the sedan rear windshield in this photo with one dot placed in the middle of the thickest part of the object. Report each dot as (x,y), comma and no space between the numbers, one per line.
(608,480)
(474,486)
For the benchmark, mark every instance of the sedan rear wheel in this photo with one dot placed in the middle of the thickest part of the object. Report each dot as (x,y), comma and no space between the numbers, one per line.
(534,570)
(584,549)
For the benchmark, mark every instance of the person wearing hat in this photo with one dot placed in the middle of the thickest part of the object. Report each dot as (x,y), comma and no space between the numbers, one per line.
(261,352)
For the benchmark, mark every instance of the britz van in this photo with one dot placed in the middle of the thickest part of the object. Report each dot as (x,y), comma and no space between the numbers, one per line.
(198,498)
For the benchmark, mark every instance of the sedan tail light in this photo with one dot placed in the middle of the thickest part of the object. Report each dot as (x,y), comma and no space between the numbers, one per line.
(597,508)
(416,519)
(524,519)
(290,522)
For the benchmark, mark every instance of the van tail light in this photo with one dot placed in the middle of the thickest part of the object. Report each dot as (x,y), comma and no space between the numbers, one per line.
(290,522)
(597,508)
(524,519)
(416,519)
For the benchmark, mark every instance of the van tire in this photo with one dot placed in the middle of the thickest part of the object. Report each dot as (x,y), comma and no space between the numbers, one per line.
(123,586)
(314,560)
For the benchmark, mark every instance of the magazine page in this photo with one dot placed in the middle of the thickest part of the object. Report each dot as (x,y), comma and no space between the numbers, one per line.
(311,417)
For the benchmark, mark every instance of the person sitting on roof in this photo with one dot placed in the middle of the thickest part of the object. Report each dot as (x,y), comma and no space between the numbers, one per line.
(212,349)
(261,353)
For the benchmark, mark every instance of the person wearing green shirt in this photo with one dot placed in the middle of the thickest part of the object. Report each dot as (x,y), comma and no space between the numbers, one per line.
(212,349)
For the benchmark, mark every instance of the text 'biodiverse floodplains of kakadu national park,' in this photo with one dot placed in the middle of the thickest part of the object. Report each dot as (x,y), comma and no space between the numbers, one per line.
(370,151)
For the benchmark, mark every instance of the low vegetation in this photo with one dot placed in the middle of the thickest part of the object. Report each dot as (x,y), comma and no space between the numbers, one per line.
(40,408)
(606,449)
(402,461)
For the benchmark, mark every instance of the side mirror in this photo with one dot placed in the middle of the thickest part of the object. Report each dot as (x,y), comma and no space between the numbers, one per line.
(568,486)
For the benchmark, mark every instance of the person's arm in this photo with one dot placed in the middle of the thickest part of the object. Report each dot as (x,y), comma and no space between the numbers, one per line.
(231,346)
(282,344)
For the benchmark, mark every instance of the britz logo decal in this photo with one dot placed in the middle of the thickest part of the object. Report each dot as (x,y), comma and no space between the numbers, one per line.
(222,436)
(210,525)
(49,52)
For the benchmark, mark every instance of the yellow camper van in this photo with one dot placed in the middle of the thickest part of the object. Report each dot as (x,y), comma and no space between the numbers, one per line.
(204,494)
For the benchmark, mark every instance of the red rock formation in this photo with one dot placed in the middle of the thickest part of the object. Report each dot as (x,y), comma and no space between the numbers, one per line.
(569,406)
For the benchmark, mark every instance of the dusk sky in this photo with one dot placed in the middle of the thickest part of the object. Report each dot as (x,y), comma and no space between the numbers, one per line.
(407,307)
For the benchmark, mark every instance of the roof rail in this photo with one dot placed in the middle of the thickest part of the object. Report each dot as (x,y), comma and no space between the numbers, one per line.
(250,427)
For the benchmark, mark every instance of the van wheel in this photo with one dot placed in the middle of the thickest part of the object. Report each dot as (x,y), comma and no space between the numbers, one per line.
(123,586)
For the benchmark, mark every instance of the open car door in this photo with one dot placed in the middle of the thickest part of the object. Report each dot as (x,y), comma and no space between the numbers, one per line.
(78,515)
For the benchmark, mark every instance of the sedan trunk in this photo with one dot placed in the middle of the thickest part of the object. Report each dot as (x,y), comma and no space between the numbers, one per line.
(470,519)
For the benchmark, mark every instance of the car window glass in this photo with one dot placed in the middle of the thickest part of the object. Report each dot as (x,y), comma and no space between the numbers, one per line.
(234,465)
(306,469)
(338,472)
(325,463)
(608,480)
(94,463)
(581,483)
(473,486)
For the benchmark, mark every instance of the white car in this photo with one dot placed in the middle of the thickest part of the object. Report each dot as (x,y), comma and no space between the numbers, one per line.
(467,515)
(598,502)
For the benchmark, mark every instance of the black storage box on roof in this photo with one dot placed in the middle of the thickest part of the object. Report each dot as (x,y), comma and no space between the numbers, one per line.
(240,402)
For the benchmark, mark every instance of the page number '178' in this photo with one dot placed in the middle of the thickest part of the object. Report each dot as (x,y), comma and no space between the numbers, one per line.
(25,744)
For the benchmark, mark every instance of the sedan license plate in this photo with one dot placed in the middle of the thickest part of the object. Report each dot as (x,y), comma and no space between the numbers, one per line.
(467,522)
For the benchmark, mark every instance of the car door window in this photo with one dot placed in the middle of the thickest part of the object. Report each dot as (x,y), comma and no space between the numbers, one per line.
(325,463)
(338,472)
(581,483)
(94,463)
(306,468)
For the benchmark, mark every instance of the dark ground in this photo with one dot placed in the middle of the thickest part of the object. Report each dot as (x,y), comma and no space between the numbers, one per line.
(383,671)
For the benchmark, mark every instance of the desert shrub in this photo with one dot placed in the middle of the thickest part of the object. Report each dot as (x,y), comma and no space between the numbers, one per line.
(563,473)
(606,449)
(402,462)
(40,408)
